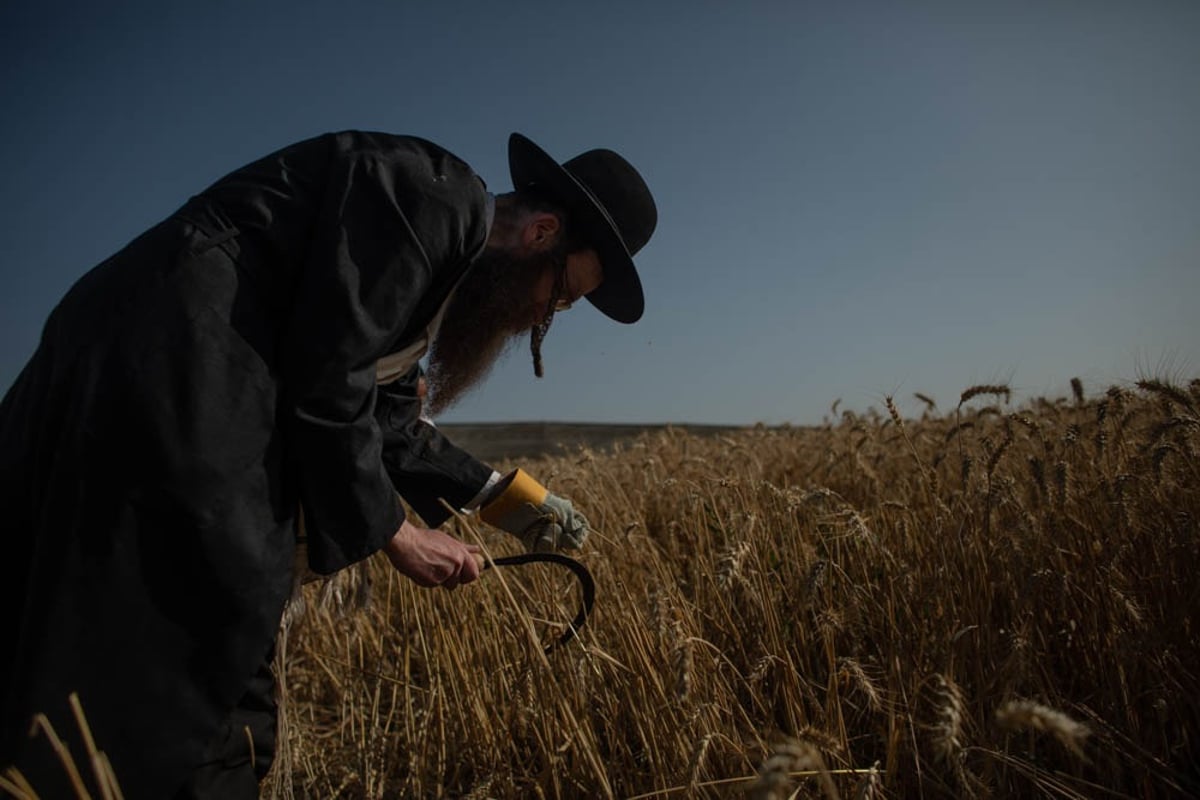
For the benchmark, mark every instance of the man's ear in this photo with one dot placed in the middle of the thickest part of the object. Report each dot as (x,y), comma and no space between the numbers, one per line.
(540,230)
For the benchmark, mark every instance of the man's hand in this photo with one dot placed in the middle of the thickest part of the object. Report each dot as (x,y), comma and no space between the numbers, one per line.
(433,558)
(542,521)
(558,526)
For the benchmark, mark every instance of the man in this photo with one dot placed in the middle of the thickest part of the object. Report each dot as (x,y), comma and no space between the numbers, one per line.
(246,371)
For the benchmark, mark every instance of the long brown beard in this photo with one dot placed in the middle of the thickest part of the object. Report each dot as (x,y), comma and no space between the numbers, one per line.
(489,311)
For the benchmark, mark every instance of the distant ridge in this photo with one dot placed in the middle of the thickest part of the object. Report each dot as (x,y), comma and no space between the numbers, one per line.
(496,441)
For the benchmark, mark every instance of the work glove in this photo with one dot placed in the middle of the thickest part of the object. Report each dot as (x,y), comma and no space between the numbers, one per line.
(542,521)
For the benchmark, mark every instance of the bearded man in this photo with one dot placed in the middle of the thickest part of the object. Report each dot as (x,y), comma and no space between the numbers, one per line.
(246,372)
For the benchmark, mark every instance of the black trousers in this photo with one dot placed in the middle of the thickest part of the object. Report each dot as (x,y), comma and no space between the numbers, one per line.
(241,753)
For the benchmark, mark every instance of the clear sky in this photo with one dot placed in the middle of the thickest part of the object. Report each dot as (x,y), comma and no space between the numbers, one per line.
(855,199)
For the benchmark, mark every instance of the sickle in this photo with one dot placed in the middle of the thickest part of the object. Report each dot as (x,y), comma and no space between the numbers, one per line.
(581,572)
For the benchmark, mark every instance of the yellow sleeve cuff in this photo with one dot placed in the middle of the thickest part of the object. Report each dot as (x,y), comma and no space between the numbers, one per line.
(515,490)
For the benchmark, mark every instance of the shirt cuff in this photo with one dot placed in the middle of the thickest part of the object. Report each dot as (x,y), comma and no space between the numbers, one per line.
(476,501)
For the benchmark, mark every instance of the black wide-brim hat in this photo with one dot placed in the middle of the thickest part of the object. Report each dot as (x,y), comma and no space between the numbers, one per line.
(608,207)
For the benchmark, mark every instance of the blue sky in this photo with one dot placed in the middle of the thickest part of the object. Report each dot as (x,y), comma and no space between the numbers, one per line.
(855,199)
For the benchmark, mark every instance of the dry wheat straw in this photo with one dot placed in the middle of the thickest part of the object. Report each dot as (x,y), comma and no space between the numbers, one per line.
(930,405)
(1167,391)
(789,756)
(696,762)
(717,612)
(15,784)
(998,390)
(1077,390)
(1028,715)
(945,715)
(870,785)
(858,677)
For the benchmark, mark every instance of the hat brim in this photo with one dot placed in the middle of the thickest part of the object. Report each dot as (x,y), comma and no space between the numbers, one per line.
(619,296)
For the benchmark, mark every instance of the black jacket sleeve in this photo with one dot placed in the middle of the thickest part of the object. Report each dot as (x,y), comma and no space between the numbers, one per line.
(423,464)
(397,216)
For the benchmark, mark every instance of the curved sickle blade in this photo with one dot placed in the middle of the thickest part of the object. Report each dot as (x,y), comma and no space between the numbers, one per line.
(587,584)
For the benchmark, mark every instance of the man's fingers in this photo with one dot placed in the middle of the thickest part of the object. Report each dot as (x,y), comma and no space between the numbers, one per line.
(471,568)
(434,558)
(467,571)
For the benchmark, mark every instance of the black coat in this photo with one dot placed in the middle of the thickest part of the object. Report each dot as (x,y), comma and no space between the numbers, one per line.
(187,396)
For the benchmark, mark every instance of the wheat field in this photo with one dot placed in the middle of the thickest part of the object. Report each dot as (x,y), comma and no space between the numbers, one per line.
(988,601)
